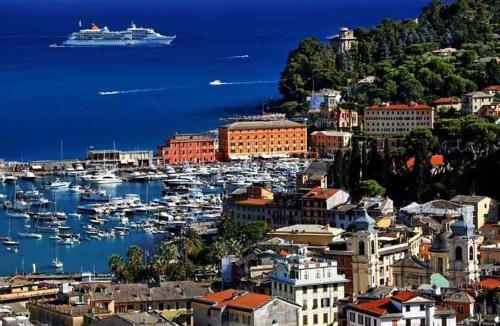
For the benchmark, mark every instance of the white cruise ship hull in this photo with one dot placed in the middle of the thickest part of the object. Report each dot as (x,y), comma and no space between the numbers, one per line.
(119,43)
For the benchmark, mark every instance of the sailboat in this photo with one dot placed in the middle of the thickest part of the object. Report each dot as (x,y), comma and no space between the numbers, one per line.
(8,241)
(31,234)
(18,206)
(56,262)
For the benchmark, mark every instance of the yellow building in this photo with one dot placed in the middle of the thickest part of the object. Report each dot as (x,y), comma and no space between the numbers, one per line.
(484,208)
(312,234)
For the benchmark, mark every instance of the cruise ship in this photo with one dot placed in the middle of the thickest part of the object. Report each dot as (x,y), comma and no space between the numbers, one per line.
(132,36)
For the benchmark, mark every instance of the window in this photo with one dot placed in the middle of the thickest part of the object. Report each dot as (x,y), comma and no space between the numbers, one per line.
(408,322)
(352,317)
(407,308)
(315,304)
(325,318)
(315,319)
(373,247)
(360,319)
(361,248)
(325,302)
(422,322)
(443,321)
(304,304)
(458,253)
(315,289)
(422,307)
(471,253)
(304,320)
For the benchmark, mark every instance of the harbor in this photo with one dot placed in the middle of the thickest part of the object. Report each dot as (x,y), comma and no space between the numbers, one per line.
(72,221)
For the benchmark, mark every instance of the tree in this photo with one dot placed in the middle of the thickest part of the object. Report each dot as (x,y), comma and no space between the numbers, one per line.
(117,266)
(371,188)
(190,243)
(419,143)
(168,251)
(355,169)
(312,63)
(253,232)
(135,263)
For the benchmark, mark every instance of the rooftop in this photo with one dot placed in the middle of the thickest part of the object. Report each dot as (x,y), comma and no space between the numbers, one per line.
(321,193)
(331,133)
(309,228)
(411,106)
(236,299)
(478,94)
(242,125)
(254,202)
(446,100)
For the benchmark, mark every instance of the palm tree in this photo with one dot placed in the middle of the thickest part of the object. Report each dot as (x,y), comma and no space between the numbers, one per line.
(116,264)
(191,242)
(235,247)
(159,265)
(168,251)
(135,264)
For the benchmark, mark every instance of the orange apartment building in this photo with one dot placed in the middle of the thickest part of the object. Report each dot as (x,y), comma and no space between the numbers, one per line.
(328,141)
(190,148)
(266,139)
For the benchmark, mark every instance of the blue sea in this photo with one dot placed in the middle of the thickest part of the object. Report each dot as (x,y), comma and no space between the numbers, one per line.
(49,95)
(52,94)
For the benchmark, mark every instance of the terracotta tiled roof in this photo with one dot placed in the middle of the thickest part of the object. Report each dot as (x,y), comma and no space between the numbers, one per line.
(253,202)
(405,296)
(490,284)
(446,100)
(415,106)
(492,88)
(236,299)
(321,193)
(376,307)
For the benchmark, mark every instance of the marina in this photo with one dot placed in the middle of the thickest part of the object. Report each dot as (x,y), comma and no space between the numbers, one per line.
(55,223)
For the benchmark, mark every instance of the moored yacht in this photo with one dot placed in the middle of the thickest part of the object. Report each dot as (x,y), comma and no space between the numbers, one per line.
(103,178)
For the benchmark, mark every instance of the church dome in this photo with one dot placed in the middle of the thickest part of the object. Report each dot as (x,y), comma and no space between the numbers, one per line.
(462,228)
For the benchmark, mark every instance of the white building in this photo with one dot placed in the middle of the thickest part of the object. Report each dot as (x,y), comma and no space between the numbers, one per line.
(312,283)
(397,119)
(472,102)
(405,308)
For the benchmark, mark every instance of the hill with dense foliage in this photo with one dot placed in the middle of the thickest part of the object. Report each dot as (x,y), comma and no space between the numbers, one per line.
(399,55)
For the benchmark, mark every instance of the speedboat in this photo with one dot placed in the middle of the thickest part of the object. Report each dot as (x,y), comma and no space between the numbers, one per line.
(58,184)
(8,241)
(28,175)
(10,178)
(18,215)
(30,235)
(103,178)
(139,176)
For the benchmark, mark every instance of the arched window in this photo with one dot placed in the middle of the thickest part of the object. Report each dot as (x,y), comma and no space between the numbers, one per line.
(458,254)
(361,248)
(373,247)
(471,253)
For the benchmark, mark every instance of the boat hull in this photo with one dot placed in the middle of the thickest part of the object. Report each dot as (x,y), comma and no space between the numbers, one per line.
(119,43)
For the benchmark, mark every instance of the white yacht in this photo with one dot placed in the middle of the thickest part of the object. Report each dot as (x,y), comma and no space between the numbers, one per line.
(103,178)
(28,175)
(58,184)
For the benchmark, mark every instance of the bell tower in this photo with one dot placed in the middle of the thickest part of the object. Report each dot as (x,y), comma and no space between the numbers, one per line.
(365,255)
(463,253)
